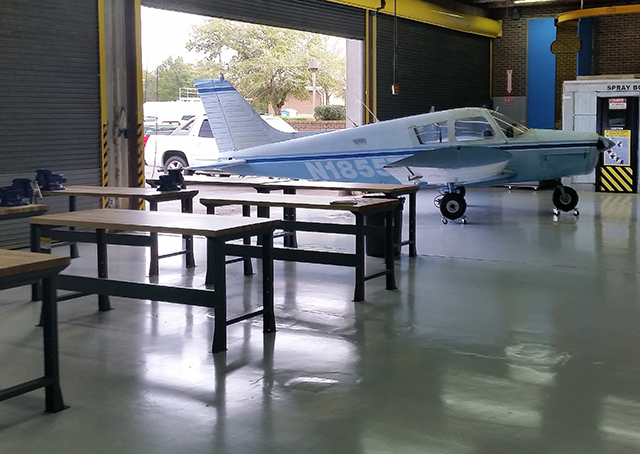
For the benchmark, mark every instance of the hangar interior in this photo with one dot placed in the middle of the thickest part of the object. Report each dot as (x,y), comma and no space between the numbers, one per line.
(514,333)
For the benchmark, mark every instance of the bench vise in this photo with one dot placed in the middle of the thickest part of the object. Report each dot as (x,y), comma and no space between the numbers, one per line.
(15,195)
(172,181)
(48,181)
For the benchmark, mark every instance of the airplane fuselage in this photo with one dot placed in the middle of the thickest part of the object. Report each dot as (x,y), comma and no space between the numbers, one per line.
(367,154)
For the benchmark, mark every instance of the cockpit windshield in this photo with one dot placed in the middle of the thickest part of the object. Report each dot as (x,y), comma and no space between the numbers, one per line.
(509,126)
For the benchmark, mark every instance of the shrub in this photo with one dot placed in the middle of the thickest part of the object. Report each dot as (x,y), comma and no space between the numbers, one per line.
(330,113)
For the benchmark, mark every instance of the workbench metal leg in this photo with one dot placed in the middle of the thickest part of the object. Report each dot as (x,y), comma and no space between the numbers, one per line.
(73,246)
(412,225)
(209,275)
(359,290)
(263,212)
(268,316)
(389,247)
(290,239)
(217,267)
(53,394)
(187,207)
(248,267)
(103,269)
(154,267)
(36,287)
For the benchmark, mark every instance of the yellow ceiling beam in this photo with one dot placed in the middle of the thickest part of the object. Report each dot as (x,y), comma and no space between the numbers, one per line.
(592,12)
(428,13)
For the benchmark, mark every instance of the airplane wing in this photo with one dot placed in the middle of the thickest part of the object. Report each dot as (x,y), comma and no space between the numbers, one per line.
(459,164)
(454,158)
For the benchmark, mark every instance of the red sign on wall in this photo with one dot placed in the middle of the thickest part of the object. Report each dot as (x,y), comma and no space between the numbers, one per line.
(509,81)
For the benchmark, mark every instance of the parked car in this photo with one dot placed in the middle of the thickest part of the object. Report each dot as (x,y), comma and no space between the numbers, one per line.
(190,144)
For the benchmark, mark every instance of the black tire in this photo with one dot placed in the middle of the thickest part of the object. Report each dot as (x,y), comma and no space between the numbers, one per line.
(176,162)
(461,190)
(566,202)
(452,206)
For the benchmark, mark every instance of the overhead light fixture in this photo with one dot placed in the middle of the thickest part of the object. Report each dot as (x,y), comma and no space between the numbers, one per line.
(520,2)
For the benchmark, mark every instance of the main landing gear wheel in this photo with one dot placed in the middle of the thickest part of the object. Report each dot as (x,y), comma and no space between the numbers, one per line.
(565,199)
(452,206)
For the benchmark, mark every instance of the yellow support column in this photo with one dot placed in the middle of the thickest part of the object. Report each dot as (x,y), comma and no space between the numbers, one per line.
(370,68)
(104,152)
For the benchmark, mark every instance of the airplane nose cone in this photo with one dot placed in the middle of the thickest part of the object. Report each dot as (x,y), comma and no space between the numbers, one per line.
(605,143)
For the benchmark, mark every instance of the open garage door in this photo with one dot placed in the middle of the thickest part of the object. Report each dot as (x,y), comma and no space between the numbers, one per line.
(50,98)
(318,16)
(435,66)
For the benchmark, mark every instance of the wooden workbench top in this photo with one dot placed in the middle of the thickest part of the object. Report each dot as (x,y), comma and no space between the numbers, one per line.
(320,202)
(155,221)
(275,183)
(23,211)
(110,191)
(13,263)
(341,185)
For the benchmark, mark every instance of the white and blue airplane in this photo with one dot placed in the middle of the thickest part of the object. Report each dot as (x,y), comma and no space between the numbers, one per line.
(449,150)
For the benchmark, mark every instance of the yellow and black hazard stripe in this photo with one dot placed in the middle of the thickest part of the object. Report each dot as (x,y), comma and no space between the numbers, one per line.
(616,179)
(104,152)
(140,128)
(105,163)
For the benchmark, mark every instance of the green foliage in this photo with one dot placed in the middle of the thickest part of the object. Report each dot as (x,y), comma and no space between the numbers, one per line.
(267,64)
(330,113)
(164,83)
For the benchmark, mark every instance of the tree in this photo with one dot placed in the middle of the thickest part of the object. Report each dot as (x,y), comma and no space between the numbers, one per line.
(267,64)
(164,83)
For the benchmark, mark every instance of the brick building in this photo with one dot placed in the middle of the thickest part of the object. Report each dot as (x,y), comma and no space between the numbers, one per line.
(615,49)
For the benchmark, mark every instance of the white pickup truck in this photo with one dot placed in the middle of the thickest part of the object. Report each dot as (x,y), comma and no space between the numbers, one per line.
(191,144)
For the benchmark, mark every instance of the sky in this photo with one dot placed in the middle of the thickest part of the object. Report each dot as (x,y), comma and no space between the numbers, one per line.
(164,34)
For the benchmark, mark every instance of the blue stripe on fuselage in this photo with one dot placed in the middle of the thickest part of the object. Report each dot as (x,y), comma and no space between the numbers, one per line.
(391,153)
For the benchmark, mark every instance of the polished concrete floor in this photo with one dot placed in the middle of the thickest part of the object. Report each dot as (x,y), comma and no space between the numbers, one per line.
(515,333)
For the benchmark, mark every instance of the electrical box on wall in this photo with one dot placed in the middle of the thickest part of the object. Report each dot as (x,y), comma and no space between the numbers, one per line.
(609,106)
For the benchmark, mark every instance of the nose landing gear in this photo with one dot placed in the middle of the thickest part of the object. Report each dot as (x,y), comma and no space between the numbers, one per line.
(565,199)
(452,204)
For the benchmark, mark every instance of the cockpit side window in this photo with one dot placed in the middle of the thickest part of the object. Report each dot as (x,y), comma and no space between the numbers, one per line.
(509,126)
(473,128)
(432,133)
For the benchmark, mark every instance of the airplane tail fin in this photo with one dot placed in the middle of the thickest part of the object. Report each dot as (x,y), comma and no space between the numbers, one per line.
(234,123)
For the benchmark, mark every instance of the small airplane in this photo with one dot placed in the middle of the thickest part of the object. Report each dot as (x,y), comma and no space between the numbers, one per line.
(449,150)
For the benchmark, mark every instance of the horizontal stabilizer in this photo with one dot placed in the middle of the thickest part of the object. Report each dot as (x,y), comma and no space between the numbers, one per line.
(452,158)
(225,164)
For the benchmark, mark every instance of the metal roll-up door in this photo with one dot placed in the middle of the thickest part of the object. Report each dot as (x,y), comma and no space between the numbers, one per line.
(435,66)
(49,99)
(318,16)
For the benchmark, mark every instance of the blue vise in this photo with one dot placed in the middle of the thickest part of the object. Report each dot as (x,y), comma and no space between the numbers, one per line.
(48,181)
(15,195)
